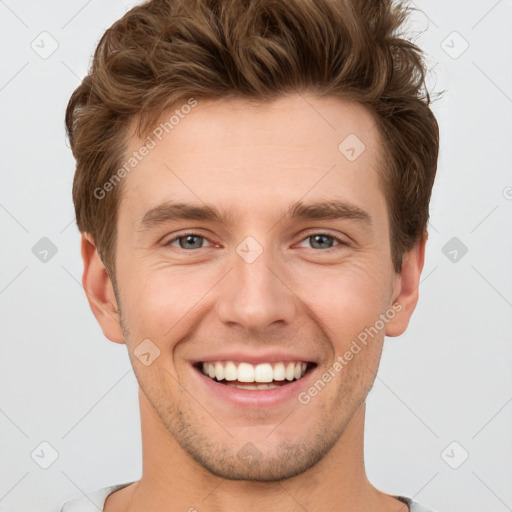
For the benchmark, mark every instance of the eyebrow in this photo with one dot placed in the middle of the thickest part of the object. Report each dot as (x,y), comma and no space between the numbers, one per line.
(321,210)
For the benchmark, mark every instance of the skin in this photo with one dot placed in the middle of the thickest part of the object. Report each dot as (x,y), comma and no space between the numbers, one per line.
(297,296)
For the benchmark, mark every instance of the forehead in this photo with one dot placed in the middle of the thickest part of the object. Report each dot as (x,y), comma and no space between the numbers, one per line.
(229,151)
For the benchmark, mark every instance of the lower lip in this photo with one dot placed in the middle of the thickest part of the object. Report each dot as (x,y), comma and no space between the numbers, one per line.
(255,398)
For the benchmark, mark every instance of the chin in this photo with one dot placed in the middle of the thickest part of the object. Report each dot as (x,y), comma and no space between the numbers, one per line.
(258,460)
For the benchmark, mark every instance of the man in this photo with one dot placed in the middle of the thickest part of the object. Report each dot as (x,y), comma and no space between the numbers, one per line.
(252,186)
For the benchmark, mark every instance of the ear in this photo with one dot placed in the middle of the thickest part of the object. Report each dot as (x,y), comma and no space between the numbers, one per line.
(99,291)
(406,288)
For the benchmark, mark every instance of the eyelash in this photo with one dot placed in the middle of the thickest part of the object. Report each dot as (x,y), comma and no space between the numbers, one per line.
(319,233)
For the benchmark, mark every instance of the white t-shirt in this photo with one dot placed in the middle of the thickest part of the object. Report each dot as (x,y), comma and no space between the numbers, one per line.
(96,501)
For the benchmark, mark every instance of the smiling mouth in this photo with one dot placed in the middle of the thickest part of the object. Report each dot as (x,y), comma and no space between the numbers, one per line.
(254,377)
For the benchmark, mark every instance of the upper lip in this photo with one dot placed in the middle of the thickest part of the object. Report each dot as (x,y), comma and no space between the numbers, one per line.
(244,357)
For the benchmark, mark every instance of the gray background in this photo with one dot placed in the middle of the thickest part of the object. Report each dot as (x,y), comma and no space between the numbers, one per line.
(448,379)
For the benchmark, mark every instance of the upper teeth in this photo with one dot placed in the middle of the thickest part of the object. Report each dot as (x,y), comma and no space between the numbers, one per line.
(246,372)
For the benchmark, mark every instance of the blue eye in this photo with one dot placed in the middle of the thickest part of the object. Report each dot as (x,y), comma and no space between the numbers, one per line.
(188,241)
(322,240)
(191,241)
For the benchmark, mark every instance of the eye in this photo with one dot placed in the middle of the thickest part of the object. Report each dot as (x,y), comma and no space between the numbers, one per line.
(193,241)
(323,240)
(188,241)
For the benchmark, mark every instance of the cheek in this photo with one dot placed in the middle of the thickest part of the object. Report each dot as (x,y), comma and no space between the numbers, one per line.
(345,299)
(161,301)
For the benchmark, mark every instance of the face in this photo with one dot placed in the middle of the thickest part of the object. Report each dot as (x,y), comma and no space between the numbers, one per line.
(253,247)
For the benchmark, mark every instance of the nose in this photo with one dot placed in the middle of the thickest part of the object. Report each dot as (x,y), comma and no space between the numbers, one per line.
(256,296)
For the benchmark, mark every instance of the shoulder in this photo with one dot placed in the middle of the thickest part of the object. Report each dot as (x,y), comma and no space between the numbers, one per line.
(413,505)
(93,501)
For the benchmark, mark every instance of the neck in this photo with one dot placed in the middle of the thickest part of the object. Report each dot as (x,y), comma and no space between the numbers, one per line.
(172,481)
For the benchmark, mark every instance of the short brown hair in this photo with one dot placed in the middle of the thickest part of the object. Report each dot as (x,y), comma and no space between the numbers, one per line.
(165,51)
